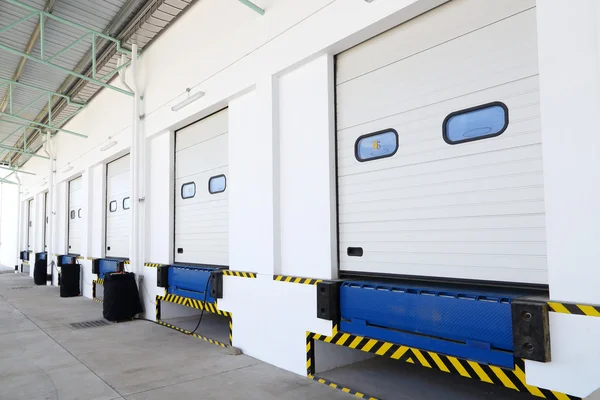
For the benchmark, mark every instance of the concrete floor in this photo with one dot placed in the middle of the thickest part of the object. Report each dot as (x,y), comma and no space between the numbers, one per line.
(41,357)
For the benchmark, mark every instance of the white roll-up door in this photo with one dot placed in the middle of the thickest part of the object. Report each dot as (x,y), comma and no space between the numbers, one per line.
(29,224)
(75,231)
(118,204)
(201,204)
(443,113)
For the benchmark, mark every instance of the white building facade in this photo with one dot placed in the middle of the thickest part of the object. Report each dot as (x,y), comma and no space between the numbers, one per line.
(283,184)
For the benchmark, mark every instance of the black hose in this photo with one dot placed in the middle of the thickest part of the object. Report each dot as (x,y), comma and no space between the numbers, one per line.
(203,306)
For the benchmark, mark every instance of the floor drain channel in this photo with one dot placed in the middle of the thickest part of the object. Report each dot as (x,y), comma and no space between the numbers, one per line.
(21,287)
(89,324)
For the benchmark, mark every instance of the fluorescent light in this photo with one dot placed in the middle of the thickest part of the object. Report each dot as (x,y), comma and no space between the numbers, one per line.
(187,101)
(108,145)
(67,168)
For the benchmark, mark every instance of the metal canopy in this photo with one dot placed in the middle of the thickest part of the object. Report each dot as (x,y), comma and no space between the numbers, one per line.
(56,55)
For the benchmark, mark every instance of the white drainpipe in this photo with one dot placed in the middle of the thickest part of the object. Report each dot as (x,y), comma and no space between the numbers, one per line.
(134,244)
(19,222)
(51,171)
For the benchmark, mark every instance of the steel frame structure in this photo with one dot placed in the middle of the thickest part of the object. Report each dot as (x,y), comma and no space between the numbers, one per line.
(46,59)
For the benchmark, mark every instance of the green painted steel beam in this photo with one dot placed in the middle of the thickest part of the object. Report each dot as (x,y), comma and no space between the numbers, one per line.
(65,70)
(43,91)
(18,150)
(39,124)
(2,180)
(17,170)
(253,6)
(71,24)
(47,61)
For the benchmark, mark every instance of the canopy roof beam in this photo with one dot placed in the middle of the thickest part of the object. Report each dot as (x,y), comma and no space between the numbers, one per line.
(47,60)
(253,6)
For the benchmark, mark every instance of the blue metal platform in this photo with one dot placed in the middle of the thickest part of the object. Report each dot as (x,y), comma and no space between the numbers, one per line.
(474,325)
(190,281)
(107,266)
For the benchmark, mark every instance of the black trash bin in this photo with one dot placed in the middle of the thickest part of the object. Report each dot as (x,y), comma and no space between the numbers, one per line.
(70,278)
(121,297)
(40,269)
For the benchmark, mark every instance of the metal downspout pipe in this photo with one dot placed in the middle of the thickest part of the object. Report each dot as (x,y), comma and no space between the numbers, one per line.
(19,222)
(134,245)
(51,171)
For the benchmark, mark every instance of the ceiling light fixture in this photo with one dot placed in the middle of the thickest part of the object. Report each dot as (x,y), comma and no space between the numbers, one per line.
(108,145)
(187,101)
(67,168)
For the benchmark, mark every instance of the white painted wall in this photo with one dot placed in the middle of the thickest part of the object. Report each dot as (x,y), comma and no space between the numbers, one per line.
(8,224)
(266,68)
(307,171)
(570,103)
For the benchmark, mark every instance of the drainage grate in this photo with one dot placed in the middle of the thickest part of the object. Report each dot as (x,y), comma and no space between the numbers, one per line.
(21,287)
(89,324)
(10,271)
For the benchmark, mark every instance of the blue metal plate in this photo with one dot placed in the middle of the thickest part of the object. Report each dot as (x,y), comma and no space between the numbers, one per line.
(472,325)
(191,282)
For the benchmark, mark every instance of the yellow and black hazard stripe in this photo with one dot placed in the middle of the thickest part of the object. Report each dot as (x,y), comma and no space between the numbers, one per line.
(230,331)
(239,274)
(185,331)
(153,265)
(95,282)
(193,303)
(512,379)
(344,389)
(296,279)
(80,257)
(26,262)
(90,258)
(127,262)
(577,309)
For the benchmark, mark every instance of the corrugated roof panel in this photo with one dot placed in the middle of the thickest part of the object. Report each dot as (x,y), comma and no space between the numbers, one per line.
(94,14)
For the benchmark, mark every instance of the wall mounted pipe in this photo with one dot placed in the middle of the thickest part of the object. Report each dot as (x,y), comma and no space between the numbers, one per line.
(51,171)
(19,222)
(134,251)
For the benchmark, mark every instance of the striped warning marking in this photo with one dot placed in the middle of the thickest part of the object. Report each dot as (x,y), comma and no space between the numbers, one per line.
(344,389)
(512,379)
(153,265)
(577,309)
(193,303)
(26,262)
(239,274)
(209,340)
(296,279)
(99,300)
(80,257)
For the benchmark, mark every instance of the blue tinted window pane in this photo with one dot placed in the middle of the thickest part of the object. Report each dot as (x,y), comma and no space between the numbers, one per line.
(217,184)
(126,203)
(188,190)
(378,145)
(477,124)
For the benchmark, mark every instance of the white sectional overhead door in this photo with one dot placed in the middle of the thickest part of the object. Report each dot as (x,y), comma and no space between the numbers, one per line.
(201,204)
(75,230)
(118,206)
(439,147)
